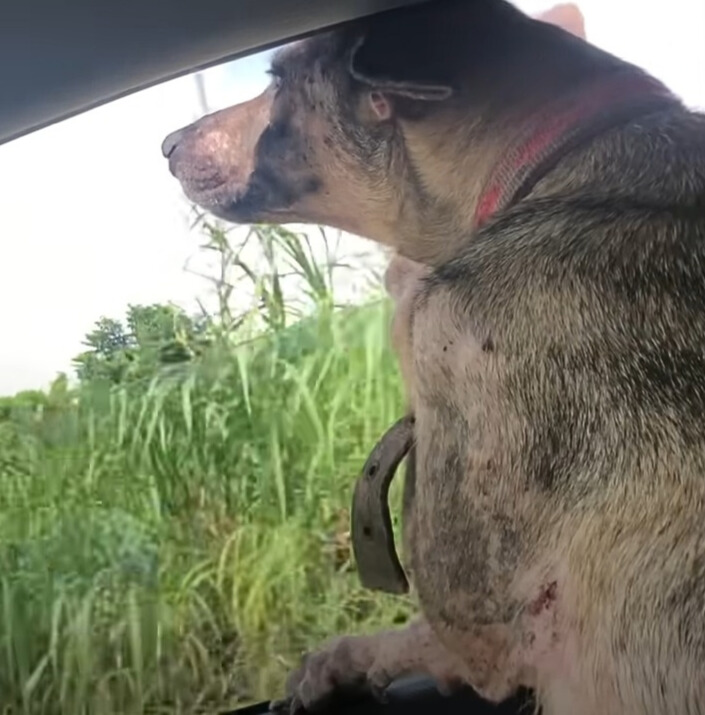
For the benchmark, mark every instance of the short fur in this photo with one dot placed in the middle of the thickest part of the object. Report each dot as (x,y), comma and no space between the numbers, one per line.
(555,358)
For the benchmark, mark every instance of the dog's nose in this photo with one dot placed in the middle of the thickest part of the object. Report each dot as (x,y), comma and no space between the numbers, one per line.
(171,142)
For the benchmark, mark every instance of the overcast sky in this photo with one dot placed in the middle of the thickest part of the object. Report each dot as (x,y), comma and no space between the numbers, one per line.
(91,220)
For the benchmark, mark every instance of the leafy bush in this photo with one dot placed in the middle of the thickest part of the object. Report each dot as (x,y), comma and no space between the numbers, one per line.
(174,528)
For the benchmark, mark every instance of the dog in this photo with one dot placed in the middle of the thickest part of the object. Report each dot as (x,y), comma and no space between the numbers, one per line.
(546,201)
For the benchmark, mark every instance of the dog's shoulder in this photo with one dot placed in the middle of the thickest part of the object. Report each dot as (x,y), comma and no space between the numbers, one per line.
(614,232)
(656,160)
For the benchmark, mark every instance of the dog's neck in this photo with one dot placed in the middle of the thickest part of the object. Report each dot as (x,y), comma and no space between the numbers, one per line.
(514,154)
(572,121)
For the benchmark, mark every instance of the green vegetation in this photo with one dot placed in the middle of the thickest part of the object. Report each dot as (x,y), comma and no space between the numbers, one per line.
(173,529)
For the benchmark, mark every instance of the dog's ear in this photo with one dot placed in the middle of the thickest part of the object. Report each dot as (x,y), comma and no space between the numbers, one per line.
(566,16)
(402,63)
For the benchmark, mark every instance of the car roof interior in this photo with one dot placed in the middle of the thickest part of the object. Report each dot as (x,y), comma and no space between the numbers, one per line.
(58,59)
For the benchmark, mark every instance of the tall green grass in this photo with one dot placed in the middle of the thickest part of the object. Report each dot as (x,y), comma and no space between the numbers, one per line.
(172,545)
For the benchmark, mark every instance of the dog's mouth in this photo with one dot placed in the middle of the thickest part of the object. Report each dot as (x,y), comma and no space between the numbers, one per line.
(225,198)
(265,196)
(208,191)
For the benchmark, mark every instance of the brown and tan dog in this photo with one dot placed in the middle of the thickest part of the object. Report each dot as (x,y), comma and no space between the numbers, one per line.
(553,347)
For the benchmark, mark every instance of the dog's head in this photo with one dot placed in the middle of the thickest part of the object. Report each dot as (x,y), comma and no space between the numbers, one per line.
(354,129)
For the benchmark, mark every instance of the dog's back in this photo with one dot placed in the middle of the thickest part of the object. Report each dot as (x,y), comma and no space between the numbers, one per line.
(588,407)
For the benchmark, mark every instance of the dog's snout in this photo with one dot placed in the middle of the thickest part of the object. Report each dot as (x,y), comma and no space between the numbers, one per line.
(171,142)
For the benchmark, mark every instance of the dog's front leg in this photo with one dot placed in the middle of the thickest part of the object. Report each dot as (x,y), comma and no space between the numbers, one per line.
(368,664)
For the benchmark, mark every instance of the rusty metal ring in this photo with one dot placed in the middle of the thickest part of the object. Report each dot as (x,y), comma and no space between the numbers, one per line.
(378,564)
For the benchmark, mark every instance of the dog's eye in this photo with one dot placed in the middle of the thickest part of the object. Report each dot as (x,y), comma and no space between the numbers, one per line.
(276,78)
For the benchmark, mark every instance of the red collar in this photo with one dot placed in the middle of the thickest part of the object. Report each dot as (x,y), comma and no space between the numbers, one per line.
(574,120)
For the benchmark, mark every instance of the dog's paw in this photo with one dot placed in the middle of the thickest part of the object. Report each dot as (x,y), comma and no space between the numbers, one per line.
(345,666)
